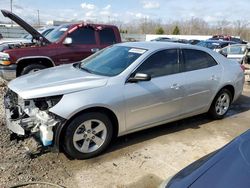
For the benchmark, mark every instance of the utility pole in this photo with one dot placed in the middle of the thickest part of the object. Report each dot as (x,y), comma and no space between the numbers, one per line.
(11,3)
(38,18)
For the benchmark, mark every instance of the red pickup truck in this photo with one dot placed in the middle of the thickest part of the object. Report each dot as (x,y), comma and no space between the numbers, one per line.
(65,44)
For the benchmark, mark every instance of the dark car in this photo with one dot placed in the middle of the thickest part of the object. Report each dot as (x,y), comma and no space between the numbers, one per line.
(166,39)
(66,44)
(215,45)
(228,167)
(228,38)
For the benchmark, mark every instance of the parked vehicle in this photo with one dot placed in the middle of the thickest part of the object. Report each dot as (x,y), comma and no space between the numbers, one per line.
(193,41)
(215,45)
(122,89)
(166,39)
(226,167)
(26,40)
(228,38)
(44,31)
(66,44)
(239,53)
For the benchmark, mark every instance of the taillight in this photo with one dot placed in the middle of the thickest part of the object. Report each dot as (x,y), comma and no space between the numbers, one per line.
(243,68)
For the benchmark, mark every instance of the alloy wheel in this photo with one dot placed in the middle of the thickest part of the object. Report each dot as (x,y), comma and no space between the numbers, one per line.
(222,104)
(90,136)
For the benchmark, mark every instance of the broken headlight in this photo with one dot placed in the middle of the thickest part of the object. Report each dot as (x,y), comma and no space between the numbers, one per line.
(46,102)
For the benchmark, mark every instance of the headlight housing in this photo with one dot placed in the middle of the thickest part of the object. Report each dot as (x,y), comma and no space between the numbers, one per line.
(4,59)
(47,102)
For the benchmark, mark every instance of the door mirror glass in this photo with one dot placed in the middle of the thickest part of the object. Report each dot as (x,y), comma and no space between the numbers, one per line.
(67,41)
(138,77)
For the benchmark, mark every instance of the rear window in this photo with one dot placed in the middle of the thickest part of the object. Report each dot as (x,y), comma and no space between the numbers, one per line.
(107,36)
(196,59)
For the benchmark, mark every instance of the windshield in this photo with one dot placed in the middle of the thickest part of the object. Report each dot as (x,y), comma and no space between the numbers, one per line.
(56,34)
(112,60)
(43,31)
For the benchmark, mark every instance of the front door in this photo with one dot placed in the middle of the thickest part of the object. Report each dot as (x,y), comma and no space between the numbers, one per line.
(159,99)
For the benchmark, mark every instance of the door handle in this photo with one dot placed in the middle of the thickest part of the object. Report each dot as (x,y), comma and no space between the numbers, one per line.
(175,86)
(94,50)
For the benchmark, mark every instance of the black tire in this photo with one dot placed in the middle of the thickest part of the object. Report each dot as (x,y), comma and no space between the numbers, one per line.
(212,111)
(68,143)
(32,68)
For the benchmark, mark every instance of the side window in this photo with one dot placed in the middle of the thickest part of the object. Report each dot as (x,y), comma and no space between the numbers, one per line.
(236,50)
(83,36)
(107,36)
(196,59)
(225,50)
(161,63)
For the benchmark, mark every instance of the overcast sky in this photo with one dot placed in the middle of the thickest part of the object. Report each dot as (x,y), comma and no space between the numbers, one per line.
(127,10)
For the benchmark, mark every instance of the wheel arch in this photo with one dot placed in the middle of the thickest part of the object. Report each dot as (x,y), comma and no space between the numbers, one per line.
(230,88)
(25,61)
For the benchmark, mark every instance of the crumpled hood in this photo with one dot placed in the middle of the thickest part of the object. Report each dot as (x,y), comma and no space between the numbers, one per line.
(55,81)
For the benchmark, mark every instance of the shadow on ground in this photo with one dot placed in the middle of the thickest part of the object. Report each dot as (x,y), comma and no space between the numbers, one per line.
(240,106)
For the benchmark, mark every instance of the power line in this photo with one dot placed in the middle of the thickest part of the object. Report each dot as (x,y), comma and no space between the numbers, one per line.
(38,17)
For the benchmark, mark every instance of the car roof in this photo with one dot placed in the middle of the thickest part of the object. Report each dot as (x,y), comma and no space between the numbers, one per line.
(151,45)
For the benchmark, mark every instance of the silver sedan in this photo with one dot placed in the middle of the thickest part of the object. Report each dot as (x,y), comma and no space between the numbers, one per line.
(122,89)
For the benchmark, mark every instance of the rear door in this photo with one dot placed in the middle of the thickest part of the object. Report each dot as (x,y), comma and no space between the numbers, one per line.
(202,75)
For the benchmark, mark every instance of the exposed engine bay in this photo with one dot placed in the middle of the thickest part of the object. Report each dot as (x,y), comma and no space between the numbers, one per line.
(32,117)
(15,45)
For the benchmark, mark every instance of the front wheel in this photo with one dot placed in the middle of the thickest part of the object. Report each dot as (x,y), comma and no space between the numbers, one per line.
(88,135)
(221,104)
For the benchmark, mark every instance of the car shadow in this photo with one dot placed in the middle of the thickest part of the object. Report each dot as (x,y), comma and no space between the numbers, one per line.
(240,106)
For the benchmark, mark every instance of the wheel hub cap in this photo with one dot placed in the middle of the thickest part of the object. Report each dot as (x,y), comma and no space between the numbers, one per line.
(90,136)
(222,104)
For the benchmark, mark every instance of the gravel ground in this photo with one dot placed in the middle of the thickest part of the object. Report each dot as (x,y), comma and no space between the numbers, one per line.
(142,159)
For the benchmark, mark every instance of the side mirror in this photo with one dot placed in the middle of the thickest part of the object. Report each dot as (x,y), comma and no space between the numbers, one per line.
(138,77)
(67,41)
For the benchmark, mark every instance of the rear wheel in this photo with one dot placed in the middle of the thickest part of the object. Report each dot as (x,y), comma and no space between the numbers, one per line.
(221,104)
(32,68)
(88,135)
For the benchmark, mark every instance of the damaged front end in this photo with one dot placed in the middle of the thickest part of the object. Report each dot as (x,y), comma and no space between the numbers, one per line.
(32,117)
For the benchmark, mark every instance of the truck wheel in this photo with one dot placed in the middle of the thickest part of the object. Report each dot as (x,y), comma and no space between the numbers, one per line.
(221,104)
(32,68)
(87,135)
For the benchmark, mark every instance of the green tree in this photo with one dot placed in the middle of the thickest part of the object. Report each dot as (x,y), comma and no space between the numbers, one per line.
(176,31)
(159,31)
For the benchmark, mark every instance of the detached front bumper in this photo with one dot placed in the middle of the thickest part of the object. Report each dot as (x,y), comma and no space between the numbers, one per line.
(8,72)
(13,126)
